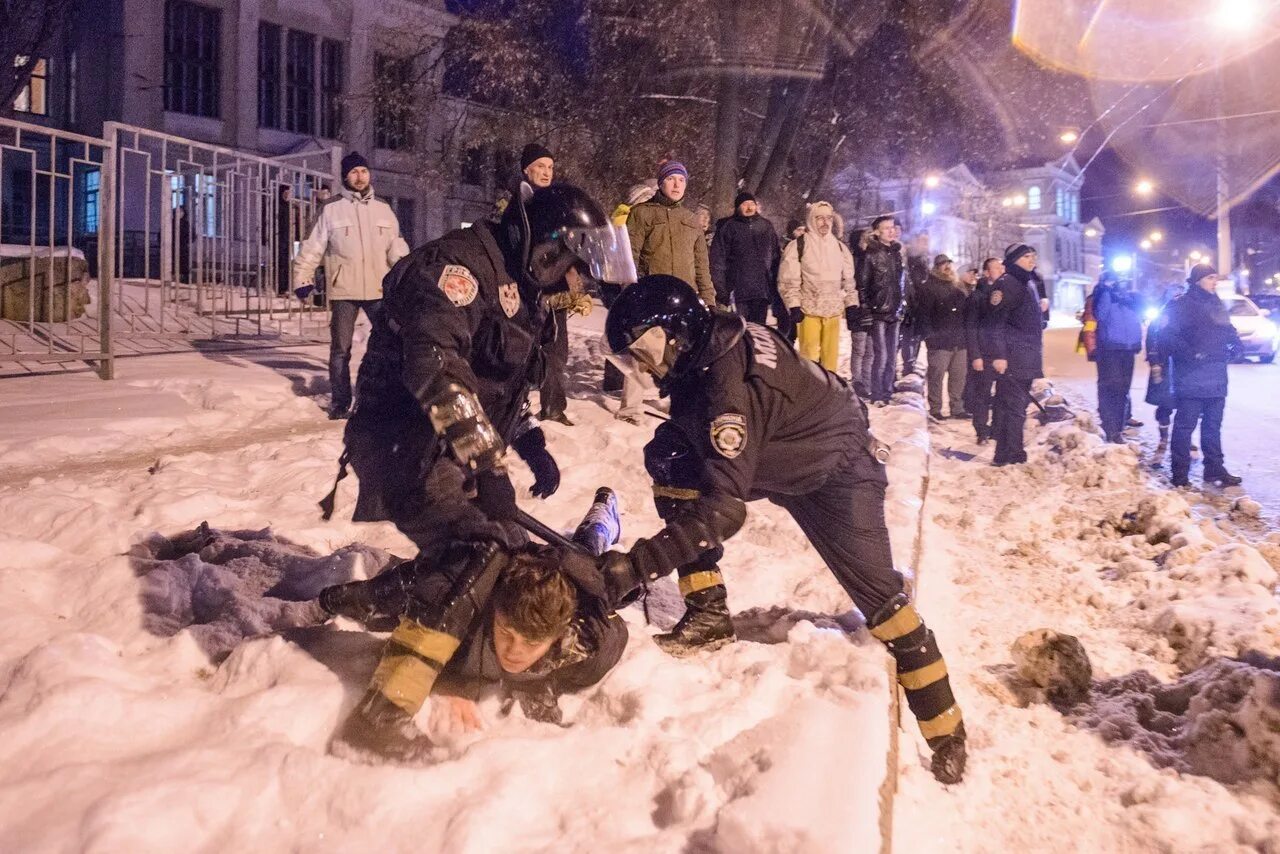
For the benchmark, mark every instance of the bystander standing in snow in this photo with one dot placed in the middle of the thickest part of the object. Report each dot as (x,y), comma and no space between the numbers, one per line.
(744,260)
(880,292)
(1160,366)
(940,320)
(1117,340)
(357,237)
(817,286)
(980,382)
(1202,342)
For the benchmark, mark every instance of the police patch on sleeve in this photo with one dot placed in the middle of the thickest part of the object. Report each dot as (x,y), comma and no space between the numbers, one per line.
(997,297)
(509,298)
(458,285)
(729,434)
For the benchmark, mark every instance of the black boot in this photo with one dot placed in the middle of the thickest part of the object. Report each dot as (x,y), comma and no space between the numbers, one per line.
(378,730)
(922,673)
(1164,436)
(1222,477)
(385,595)
(705,626)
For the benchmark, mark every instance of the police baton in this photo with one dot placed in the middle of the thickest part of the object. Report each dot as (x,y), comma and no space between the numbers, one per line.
(546,533)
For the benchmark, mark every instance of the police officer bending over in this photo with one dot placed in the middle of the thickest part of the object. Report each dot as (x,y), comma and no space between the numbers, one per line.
(750,419)
(441,394)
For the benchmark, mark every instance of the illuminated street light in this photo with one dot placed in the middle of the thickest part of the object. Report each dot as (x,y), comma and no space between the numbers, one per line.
(1069,137)
(1020,200)
(1122,263)
(1144,187)
(1146,244)
(1091,232)
(1196,255)
(1156,236)
(928,208)
(1237,16)
(932,181)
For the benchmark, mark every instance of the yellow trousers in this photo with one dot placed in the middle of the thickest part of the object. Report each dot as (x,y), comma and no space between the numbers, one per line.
(819,339)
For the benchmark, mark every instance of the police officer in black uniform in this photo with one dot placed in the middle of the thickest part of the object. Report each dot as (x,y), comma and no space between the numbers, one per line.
(442,391)
(750,419)
(1015,329)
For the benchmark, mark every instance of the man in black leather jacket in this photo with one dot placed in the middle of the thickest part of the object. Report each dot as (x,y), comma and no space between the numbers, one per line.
(880,292)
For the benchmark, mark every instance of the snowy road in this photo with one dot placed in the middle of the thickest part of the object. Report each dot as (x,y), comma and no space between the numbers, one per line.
(1250,431)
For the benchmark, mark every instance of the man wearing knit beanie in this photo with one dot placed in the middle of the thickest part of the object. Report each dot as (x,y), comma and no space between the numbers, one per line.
(744,260)
(538,165)
(1016,349)
(357,237)
(1200,337)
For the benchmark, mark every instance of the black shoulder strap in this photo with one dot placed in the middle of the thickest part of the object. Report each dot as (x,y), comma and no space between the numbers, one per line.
(800,248)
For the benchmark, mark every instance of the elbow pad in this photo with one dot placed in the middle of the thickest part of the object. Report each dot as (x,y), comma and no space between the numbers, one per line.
(458,418)
(703,527)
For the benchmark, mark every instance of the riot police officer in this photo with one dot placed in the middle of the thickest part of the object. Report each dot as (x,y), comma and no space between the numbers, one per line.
(442,392)
(751,419)
(1015,329)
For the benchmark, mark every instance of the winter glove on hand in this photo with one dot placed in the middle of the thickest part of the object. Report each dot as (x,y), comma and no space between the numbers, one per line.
(853,317)
(532,448)
(496,496)
(304,292)
(622,580)
(797,316)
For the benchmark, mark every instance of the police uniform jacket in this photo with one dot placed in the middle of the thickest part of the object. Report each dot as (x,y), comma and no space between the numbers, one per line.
(765,422)
(451,314)
(1016,329)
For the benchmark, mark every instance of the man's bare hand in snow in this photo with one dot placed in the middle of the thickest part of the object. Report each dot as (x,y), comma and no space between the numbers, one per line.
(454,716)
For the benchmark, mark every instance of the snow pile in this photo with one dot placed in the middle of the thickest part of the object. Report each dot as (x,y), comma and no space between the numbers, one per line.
(1220,721)
(226,587)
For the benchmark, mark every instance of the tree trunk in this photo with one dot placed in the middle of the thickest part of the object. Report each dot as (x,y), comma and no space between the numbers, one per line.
(728,112)
(775,169)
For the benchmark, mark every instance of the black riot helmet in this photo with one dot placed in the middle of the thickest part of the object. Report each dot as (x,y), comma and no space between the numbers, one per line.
(551,229)
(662,324)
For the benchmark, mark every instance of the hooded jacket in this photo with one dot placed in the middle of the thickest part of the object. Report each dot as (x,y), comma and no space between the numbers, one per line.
(821,283)
(1119,324)
(357,237)
(666,239)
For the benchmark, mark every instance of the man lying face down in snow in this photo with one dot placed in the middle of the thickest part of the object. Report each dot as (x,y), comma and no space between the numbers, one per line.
(533,622)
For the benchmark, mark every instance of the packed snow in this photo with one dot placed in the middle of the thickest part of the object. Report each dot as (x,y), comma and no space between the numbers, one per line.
(155,690)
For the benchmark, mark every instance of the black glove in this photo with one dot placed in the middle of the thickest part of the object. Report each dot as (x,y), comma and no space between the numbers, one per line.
(496,496)
(853,317)
(532,448)
(797,316)
(621,579)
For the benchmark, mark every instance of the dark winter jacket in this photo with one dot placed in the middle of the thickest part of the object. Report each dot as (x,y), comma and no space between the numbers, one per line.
(667,239)
(1016,331)
(940,307)
(744,259)
(765,423)
(1119,319)
(879,278)
(451,314)
(1202,342)
(977,307)
(917,274)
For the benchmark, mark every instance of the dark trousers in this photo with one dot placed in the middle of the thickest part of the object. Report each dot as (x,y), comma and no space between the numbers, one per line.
(844,520)
(979,392)
(1207,412)
(753,310)
(1115,376)
(342,326)
(909,345)
(557,357)
(612,376)
(1164,415)
(1009,417)
(782,318)
(949,366)
(884,348)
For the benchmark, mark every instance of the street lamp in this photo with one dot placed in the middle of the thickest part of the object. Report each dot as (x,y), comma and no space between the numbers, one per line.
(1156,236)
(1146,244)
(932,181)
(1091,232)
(1144,187)
(1237,16)
(1070,136)
(1196,255)
(928,208)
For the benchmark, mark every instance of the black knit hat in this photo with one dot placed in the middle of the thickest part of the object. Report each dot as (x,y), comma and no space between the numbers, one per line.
(531,152)
(1199,271)
(354,160)
(1016,251)
(744,196)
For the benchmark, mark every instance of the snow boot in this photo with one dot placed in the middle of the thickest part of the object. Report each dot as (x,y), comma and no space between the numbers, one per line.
(1164,437)
(377,731)
(922,673)
(384,595)
(706,624)
(601,527)
(1222,477)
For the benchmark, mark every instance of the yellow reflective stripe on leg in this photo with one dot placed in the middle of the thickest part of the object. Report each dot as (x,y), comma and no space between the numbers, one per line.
(914,680)
(700,581)
(426,642)
(904,622)
(676,493)
(404,679)
(944,724)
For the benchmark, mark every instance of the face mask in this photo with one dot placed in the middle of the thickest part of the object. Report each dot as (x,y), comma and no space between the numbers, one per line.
(652,350)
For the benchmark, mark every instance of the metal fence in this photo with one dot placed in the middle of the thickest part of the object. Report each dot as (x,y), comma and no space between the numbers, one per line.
(143,242)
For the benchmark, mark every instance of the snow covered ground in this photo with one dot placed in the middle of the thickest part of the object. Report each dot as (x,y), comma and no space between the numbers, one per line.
(114,737)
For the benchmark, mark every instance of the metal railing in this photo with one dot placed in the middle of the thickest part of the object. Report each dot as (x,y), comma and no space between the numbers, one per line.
(189,242)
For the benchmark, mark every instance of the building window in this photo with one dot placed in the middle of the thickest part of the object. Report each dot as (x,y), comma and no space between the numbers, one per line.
(476,166)
(192,47)
(268,75)
(393,81)
(34,97)
(331,72)
(89,210)
(1033,199)
(404,209)
(300,82)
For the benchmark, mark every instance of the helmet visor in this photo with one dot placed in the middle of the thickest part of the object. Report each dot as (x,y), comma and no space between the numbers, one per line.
(606,251)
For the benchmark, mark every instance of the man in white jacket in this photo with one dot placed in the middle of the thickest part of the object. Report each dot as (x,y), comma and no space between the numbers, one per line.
(816,284)
(357,237)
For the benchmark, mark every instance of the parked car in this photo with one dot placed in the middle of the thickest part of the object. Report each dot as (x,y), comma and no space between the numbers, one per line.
(1258,333)
(1271,302)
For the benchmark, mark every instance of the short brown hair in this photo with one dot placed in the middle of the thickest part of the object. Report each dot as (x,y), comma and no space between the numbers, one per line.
(534,596)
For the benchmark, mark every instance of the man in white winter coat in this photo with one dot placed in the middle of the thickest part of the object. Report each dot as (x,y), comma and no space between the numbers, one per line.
(357,238)
(816,284)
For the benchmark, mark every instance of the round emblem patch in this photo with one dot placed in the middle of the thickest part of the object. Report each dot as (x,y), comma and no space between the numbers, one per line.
(997,297)
(458,285)
(729,434)
(509,298)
